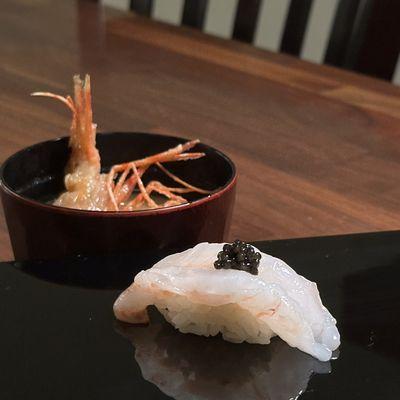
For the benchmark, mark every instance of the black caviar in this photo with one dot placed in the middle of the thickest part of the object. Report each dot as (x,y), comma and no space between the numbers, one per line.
(238,255)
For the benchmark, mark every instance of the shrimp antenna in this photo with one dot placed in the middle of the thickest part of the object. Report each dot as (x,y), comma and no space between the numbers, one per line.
(66,100)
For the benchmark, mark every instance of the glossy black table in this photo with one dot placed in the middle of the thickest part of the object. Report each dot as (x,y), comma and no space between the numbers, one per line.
(59,340)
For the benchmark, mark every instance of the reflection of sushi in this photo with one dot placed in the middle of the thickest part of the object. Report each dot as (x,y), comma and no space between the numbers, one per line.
(188,367)
(196,297)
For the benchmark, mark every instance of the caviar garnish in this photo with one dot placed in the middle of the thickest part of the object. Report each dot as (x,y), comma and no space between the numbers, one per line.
(238,255)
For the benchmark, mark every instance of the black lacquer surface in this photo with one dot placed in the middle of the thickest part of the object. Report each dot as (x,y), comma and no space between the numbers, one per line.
(59,340)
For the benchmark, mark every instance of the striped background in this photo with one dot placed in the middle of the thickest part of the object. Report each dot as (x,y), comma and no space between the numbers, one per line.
(270,28)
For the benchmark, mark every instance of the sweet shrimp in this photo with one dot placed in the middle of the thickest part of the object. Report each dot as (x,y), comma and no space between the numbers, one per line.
(122,188)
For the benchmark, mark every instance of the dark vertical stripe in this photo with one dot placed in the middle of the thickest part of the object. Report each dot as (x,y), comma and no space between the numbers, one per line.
(380,49)
(358,35)
(193,13)
(246,20)
(142,7)
(342,31)
(296,23)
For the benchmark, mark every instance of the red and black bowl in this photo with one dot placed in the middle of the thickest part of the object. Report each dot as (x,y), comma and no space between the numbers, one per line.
(32,178)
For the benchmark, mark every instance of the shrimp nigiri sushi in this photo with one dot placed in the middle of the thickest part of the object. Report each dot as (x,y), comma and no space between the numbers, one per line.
(251,298)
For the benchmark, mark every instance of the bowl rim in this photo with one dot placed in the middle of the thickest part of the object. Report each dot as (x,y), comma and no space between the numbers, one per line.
(96,214)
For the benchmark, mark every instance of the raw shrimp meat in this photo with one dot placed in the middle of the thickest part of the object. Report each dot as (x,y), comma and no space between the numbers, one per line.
(89,189)
(195,297)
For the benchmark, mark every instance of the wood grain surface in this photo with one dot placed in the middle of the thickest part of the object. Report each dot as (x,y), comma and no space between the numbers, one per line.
(317,149)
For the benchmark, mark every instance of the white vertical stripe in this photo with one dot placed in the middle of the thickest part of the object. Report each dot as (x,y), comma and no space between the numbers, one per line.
(271,24)
(120,4)
(318,30)
(220,17)
(396,74)
(169,11)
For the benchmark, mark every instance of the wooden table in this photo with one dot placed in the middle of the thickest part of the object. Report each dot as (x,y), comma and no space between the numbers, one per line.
(317,149)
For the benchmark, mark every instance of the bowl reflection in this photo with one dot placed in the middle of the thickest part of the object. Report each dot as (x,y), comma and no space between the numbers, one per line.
(190,366)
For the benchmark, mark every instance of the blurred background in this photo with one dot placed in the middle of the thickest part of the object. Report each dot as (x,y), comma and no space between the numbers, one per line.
(360,35)
(302,94)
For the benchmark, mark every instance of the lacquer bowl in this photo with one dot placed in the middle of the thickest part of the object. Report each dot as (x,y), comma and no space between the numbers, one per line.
(32,178)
